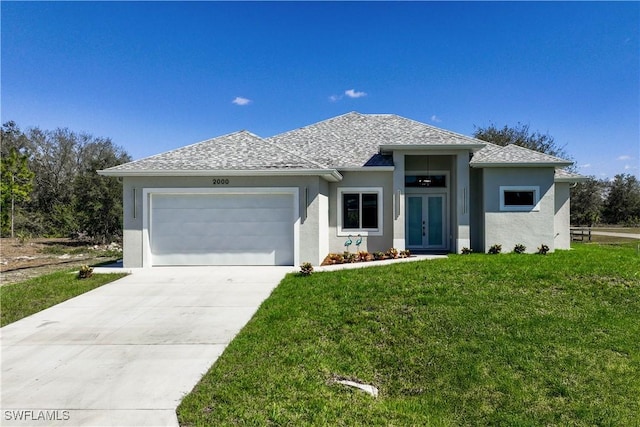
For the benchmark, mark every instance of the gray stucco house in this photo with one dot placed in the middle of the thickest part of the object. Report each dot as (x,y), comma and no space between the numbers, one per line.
(240,199)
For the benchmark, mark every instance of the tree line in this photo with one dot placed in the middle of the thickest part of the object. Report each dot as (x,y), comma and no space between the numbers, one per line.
(50,188)
(601,201)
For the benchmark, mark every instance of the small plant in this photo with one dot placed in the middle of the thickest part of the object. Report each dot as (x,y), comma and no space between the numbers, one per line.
(85,272)
(495,249)
(23,236)
(519,248)
(392,253)
(363,256)
(306,269)
(336,258)
(543,249)
(466,251)
(378,255)
(405,253)
(349,257)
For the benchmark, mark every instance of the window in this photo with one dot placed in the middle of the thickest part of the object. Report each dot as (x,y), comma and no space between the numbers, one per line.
(438,181)
(360,211)
(519,198)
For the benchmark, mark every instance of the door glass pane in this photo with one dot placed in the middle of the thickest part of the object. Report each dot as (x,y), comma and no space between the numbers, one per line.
(435,221)
(350,211)
(414,221)
(369,211)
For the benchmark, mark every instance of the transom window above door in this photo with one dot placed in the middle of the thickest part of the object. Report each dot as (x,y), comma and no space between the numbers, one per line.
(360,211)
(429,181)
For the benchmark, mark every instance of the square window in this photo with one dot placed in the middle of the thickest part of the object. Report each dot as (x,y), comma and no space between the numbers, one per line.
(359,211)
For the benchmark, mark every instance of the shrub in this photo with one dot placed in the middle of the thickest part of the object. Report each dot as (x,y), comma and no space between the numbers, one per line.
(363,256)
(392,253)
(349,257)
(495,249)
(306,269)
(519,248)
(378,255)
(85,272)
(466,251)
(336,258)
(405,253)
(543,249)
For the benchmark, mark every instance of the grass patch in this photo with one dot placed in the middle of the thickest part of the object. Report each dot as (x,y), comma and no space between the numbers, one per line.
(470,340)
(31,296)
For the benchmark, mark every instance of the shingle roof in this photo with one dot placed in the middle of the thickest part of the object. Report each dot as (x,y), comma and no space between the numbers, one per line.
(237,151)
(563,175)
(495,155)
(353,140)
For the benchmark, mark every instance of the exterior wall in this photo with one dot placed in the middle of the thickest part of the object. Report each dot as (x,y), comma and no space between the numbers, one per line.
(476,210)
(310,246)
(462,231)
(530,228)
(363,179)
(562,218)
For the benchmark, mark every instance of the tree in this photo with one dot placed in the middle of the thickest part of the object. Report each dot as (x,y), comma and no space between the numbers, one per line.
(521,135)
(587,199)
(67,196)
(16,184)
(623,200)
(99,198)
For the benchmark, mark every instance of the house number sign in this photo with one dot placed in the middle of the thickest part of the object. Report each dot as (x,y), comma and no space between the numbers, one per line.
(220,181)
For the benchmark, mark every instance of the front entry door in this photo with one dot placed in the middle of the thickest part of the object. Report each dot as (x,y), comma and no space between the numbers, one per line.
(426,224)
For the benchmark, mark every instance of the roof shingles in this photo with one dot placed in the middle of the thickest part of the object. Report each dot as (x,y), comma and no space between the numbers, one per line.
(351,140)
(237,151)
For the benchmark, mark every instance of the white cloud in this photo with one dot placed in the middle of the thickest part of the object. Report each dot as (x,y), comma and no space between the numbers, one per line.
(629,167)
(352,93)
(335,98)
(241,101)
(435,119)
(586,165)
(625,157)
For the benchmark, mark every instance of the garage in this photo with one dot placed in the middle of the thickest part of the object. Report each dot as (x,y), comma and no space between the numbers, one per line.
(222,227)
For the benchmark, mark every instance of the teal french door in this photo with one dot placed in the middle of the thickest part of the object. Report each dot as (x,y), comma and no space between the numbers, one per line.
(426,224)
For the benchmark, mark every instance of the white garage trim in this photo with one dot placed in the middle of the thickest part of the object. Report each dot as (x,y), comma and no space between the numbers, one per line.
(147,258)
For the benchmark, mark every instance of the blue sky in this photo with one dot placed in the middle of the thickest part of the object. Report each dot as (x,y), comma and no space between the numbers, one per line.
(154,76)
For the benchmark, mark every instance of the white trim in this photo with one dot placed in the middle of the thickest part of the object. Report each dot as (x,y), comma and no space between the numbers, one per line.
(331,175)
(481,165)
(147,260)
(362,231)
(520,208)
(368,169)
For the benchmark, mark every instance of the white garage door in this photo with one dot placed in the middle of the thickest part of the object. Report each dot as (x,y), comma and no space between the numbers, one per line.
(222,229)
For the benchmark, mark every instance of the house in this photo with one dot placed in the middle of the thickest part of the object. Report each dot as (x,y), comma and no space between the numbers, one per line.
(240,199)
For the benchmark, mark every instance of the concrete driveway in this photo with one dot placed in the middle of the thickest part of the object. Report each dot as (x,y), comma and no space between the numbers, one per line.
(126,353)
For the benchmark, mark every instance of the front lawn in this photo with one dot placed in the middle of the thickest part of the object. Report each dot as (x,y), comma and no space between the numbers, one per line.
(23,299)
(470,340)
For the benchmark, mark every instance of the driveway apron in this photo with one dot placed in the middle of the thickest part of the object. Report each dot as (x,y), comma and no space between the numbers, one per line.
(125,354)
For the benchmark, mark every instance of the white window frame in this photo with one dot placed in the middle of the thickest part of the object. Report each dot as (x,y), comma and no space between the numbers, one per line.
(520,208)
(362,231)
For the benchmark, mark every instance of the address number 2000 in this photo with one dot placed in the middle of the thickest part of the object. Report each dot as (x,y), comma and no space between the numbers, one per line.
(220,181)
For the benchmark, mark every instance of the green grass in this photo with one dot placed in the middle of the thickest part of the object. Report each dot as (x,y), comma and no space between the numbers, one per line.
(23,299)
(472,340)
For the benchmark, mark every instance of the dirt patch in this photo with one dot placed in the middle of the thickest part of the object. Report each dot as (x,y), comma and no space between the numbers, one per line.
(23,260)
